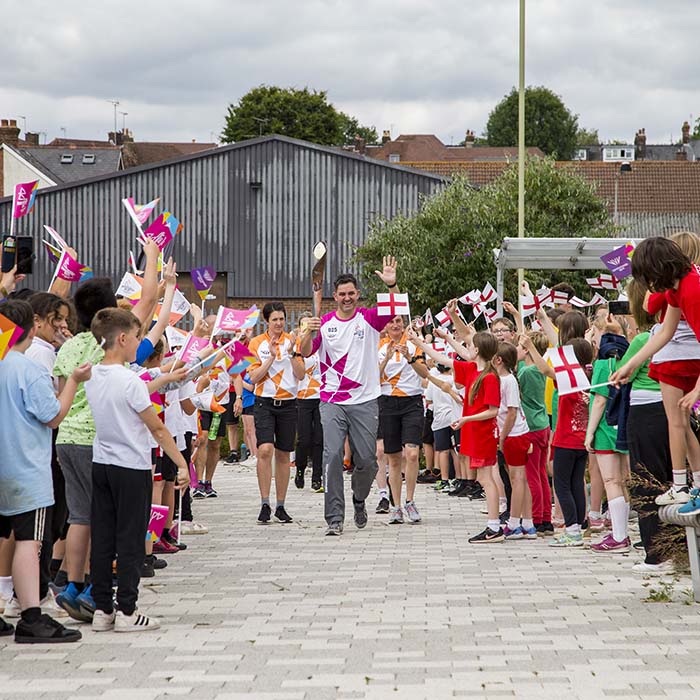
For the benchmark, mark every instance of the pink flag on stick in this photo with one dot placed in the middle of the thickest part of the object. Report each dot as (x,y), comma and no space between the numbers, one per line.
(139,212)
(192,346)
(159,515)
(230,320)
(163,229)
(69,268)
(23,198)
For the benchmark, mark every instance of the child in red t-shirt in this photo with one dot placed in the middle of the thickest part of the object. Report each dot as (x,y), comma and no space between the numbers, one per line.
(479,442)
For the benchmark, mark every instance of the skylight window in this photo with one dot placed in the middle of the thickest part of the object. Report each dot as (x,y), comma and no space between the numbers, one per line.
(88,159)
(66,158)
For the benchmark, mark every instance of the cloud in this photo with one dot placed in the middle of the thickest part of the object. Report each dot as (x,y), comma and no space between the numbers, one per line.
(432,68)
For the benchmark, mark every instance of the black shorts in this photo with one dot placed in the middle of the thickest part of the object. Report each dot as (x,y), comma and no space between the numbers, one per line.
(228,418)
(248,411)
(276,423)
(428,428)
(33,526)
(205,418)
(401,419)
(446,439)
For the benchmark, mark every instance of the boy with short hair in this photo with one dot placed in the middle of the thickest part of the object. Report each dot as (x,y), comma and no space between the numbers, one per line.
(30,410)
(121,472)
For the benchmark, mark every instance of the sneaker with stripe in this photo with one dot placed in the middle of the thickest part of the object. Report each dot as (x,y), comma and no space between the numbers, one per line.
(135,622)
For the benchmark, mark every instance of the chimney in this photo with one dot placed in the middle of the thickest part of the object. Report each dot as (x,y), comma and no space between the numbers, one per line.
(9,133)
(681,154)
(640,145)
(360,145)
(685,130)
(386,136)
(31,138)
(469,139)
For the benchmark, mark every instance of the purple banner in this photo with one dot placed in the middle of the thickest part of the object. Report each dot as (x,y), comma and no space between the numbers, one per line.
(618,261)
(203,279)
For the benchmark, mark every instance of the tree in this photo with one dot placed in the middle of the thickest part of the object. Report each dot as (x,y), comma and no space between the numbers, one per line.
(548,123)
(301,114)
(696,131)
(352,129)
(446,249)
(587,137)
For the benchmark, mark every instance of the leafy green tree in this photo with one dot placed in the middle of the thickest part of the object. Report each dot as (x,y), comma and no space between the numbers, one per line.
(446,249)
(301,114)
(353,129)
(548,123)
(696,130)
(587,137)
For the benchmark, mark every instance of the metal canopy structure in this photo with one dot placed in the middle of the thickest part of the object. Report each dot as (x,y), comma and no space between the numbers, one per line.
(552,254)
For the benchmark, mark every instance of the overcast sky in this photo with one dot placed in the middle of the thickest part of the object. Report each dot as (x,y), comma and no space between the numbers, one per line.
(408,65)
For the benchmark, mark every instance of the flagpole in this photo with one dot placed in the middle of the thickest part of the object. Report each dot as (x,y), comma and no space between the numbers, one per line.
(179,515)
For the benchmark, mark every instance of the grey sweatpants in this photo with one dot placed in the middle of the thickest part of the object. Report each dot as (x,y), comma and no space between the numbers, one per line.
(359,423)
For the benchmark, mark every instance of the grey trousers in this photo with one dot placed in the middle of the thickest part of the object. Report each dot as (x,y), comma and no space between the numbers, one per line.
(359,423)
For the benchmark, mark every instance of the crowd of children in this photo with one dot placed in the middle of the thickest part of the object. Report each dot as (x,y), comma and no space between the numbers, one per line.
(102,418)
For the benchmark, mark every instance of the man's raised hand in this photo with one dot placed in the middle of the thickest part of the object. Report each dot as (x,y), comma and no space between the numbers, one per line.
(388,272)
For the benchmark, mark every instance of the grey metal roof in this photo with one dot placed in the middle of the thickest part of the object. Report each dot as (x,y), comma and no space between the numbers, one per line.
(106,161)
(254,209)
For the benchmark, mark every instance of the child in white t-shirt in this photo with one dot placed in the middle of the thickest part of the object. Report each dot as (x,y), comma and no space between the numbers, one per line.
(121,472)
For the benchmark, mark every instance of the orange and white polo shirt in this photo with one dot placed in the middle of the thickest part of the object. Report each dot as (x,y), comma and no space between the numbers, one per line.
(279,382)
(399,378)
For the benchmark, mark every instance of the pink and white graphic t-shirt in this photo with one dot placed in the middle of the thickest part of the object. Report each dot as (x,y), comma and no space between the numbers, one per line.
(347,351)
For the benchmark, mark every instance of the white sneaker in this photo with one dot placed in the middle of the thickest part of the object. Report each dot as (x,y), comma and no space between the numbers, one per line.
(3,602)
(49,606)
(102,621)
(673,497)
(665,567)
(12,608)
(412,512)
(193,529)
(134,623)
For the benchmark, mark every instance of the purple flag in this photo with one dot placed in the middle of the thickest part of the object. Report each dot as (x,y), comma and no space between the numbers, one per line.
(203,279)
(618,261)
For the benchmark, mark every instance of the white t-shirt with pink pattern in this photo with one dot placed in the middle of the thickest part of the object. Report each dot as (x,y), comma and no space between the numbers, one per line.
(347,352)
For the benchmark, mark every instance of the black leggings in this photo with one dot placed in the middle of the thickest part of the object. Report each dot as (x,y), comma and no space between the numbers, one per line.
(647,435)
(310,438)
(569,484)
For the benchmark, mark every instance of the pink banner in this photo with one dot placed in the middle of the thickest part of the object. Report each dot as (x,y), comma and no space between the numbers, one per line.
(163,229)
(229,320)
(23,199)
(192,346)
(159,515)
(69,268)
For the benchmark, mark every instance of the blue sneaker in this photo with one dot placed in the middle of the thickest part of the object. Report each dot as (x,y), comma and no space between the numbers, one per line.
(692,507)
(530,533)
(86,603)
(516,534)
(68,600)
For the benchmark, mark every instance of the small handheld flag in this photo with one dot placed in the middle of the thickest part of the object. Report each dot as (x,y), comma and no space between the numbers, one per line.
(9,335)
(570,376)
(203,280)
(393,305)
(23,198)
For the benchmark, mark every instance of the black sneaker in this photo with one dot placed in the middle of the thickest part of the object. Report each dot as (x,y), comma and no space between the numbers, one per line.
(360,513)
(430,478)
(488,535)
(422,475)
(299,478)
(382,506)
(173,541)
(504,517)
(334,530)
(45,631)
(478,494)
(544,529)
(282,515)
(147,569)
(157,563)
(6,629)
(459,486)
(265,513)
(232,457)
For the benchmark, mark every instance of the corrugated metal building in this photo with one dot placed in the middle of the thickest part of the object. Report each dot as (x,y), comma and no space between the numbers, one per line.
(254,210)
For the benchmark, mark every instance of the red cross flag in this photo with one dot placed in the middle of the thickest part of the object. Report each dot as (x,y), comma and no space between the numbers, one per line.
(393,305)
(603,281)
(559,297)
(443,318)
(570,376)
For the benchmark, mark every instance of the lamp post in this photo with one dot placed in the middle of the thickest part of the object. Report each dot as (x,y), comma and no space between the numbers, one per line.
(521,140)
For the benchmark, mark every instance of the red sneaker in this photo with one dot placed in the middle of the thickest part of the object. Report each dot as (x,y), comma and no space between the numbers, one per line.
(163,547)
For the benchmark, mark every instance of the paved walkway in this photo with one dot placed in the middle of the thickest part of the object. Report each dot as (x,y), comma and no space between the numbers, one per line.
(279,612)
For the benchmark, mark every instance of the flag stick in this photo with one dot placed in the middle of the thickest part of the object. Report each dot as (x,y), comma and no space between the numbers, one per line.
(202,308)
(179,515)
(598,386)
